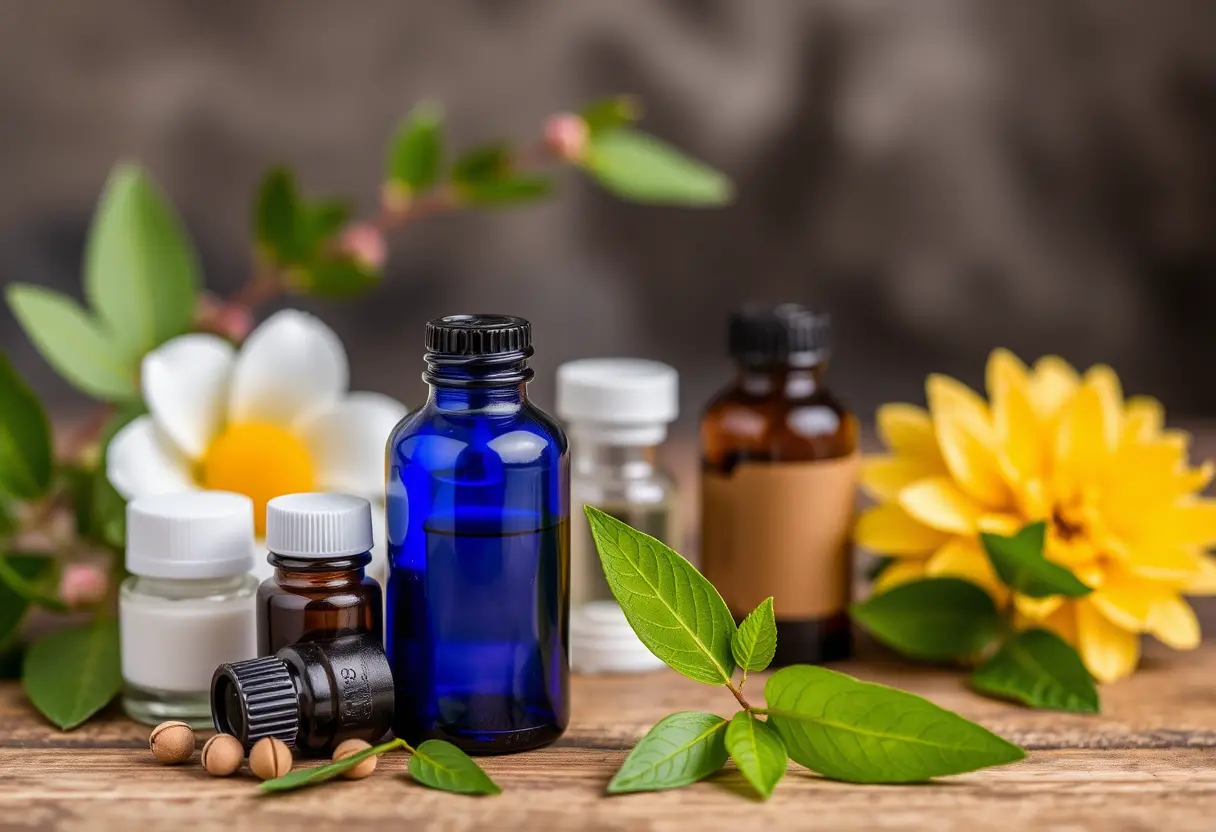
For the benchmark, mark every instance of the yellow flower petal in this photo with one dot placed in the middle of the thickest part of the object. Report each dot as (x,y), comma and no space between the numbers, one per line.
(937,503)
(1163,562)
(1173,622)
(963,557)
(1037,609)
(1053,382)
(967,441)
(1081,448)
(1109,651)
(1005,524)
(1110,392)
(1197,479)
(1063,622)
(907,429)
(961,404)
(1190,523)
(1125,602)
(889,530)
(1143,418)
(1013,417)
(900,572)
(883,477)
(1204,583)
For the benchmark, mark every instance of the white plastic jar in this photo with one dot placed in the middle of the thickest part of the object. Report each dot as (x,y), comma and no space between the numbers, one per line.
(189,605)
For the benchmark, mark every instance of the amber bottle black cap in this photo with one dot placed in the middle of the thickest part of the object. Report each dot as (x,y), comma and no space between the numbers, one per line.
(785,334)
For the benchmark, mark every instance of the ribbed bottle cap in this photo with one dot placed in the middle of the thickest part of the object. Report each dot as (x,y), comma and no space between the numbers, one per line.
(195,534)
(618,400)
(255,699)
(785,334)
(318,525)
(477,335)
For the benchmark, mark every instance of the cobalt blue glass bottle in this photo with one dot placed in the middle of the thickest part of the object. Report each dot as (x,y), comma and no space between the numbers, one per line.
(479,547)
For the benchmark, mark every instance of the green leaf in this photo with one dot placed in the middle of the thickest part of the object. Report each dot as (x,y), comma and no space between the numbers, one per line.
(31,570)
(640,168)
(1021,565)
(25,437)
(668,603)
(75,344)
(141,273)
(755,642)
(757,750)
(334,278)
(72,674)
(935,619)
(29,589)
(275,210)
(1039,669)
(302,777)
(611,113)
(417,151)
(503,192)
(107,508)
(322,220)
(443,766)
(483,164)
(866,733)
(678,751)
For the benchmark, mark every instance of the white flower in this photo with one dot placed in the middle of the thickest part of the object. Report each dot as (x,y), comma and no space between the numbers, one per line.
(274,418)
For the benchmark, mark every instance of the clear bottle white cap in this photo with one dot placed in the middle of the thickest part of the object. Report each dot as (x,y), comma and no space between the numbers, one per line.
(195,534)
(318,525)
(619,401)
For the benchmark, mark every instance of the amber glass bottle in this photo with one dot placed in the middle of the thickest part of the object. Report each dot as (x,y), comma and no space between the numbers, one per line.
(319,546)
(779,471)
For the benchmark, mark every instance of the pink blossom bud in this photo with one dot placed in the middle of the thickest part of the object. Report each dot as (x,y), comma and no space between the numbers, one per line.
(83,584)
(231,320)
(364,243)
(566,135)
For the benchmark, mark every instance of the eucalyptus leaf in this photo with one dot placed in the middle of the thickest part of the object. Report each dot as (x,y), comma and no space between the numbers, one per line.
(755,642)
(25,437)
(611,113)
(504,192)
(862,732)
(302,777)
(1021,565)
(678,751)
(72,674)
(416,153)
(935,619)
(638,167)
(757,750)
(74,343)
(671,607)
(31,570)
(443,766)
(1039,669)
(141,273)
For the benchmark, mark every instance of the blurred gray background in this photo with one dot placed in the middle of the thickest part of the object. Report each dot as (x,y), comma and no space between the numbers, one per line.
(944,176)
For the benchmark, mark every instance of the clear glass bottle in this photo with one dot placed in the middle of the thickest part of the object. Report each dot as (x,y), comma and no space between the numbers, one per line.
(616,411)
(478,505)
(189,603)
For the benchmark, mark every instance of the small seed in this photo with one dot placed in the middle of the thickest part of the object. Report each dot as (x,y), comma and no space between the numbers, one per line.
(222,755)
(363,767)
(269,758)
(172,742)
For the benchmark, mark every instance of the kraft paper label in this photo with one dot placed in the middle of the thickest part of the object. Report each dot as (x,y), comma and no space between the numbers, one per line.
(780,529)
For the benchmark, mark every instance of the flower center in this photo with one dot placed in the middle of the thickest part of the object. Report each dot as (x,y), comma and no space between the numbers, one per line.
(260,460)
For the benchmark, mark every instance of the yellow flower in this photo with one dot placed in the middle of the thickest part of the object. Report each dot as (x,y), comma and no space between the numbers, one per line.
(1120,500)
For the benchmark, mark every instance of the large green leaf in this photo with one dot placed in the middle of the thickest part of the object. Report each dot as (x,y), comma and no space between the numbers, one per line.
(13,575)
(861,732)
(1039,669)
(443,766)
(25,437)
(640,168)
(1021,565)
(72,674)
(611,113)
(302,777)
(75,344)
(679,750)
(757,750)
(672,608)
(935,619)
(755,642)
(416,153)
(31,570)
(141,274)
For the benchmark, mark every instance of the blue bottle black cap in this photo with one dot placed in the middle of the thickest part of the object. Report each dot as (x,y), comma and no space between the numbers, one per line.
(478,335)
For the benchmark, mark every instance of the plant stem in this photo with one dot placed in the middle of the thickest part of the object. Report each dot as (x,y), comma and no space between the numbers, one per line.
(738,692)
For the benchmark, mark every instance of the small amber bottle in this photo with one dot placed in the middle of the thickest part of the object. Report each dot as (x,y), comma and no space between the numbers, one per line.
(779,471)
(319,545)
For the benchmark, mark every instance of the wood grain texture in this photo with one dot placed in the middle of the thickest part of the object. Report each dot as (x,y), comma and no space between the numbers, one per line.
(1148,762)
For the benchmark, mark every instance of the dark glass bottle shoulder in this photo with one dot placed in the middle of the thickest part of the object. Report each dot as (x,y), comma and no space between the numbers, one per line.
(314,600)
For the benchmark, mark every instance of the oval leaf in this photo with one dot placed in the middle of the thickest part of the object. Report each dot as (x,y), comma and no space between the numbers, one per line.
(935,619)
(275,213)
(757,750)
(73,343)
(334,278)
(679,750)
(1039,669)
(443,766)
(668,603)
(511,190)
(302,777)
(755,642)
(141,274)
(31,571)
(611,113)
(1020,563)
(417,150)
(640,168)
(25,438)
(72,674)
(861,732)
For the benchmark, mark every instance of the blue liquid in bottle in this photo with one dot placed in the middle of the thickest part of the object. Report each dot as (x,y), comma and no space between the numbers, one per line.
(479,548)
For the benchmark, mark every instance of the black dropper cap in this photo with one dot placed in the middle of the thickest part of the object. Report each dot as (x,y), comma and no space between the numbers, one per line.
(478,350)
(312,695)
(788,334)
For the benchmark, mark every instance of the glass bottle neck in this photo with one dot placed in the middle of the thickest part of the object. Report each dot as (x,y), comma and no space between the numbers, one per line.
(189,587)
(482,384)
(779,378)
(303,573)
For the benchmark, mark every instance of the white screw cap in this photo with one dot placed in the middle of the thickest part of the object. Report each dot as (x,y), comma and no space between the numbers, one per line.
(195,534)
(318,525)
(620,401)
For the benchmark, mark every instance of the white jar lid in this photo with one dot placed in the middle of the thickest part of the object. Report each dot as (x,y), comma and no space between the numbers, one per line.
(195,534)
(318,525)
(623,401)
